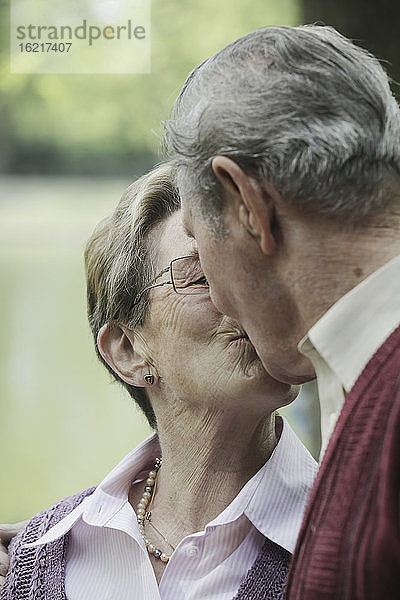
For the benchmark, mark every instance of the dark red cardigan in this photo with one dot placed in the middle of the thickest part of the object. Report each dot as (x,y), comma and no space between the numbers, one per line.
(349,543)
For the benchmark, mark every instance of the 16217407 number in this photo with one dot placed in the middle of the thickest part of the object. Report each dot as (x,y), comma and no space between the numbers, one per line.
(45,47)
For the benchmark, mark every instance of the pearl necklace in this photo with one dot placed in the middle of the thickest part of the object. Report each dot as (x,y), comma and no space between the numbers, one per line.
(144,514)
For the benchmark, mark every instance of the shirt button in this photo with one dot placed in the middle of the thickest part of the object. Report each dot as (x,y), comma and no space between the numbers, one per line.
(192,551)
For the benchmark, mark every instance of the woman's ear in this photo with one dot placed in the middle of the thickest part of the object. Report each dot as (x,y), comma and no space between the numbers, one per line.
(117,346)
(254,202)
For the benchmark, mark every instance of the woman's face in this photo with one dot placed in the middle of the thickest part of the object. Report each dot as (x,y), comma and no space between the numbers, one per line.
(201,355)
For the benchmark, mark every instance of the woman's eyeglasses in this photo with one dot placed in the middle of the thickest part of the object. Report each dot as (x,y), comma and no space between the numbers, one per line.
(186,277)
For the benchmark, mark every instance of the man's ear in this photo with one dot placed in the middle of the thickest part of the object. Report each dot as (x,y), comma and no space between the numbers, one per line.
(254,202)
(117,347)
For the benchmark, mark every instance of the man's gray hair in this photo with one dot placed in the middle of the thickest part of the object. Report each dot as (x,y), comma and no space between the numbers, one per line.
(303,107)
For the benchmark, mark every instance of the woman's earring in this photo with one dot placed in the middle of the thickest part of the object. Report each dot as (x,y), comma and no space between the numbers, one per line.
(149,378)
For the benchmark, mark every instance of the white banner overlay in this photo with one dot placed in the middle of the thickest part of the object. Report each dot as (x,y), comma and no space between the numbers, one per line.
(80,36)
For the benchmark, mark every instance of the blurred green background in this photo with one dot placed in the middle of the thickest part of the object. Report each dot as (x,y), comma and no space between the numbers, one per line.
(69,146)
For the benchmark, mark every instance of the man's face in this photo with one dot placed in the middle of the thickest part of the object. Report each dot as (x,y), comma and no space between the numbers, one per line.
(218,262)
(245,285)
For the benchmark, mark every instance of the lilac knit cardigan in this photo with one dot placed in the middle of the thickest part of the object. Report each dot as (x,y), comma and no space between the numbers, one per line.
(39,573)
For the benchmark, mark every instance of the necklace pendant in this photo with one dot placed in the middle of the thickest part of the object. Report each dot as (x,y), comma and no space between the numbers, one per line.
(148,515)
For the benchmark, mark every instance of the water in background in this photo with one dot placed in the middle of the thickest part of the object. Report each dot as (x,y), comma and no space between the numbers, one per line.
(63,424)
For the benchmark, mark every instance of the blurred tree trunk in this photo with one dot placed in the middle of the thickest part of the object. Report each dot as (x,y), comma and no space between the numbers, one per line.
(372,24)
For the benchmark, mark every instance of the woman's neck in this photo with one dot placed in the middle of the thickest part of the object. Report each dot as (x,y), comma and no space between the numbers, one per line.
(208,456)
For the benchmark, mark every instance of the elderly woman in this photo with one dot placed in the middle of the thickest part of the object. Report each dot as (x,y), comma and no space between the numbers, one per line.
(216,494)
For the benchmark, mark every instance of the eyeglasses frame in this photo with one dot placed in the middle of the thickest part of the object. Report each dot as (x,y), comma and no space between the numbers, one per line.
(152,283)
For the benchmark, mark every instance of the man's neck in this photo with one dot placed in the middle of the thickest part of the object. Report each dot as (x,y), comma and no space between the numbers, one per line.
(336,261)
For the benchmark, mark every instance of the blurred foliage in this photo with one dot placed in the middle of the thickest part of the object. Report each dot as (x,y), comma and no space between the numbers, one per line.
(110,124)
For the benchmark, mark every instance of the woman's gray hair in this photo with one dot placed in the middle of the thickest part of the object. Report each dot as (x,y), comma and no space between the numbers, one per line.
(303,107)
(119,261)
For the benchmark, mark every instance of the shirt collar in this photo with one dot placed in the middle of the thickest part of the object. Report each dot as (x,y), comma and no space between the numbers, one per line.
(273,499)
(353,329)
(111,494)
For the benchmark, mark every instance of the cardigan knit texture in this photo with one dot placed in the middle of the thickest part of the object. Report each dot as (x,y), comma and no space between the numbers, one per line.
(38,573)
(349,543)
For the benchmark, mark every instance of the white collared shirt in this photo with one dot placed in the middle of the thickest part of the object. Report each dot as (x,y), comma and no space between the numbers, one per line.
(343,341)
(106,556)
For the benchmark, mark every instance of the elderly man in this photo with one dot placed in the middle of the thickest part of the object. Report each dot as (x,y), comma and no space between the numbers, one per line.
(287,152)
